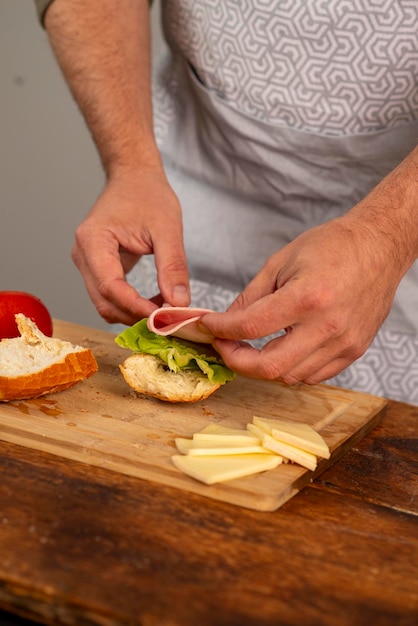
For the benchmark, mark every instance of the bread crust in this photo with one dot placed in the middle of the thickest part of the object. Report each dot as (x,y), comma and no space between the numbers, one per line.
(55,365)
(57,377)
(148,375)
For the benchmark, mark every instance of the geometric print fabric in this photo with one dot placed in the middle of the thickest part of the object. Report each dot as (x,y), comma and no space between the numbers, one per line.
(389,368)
(335,67)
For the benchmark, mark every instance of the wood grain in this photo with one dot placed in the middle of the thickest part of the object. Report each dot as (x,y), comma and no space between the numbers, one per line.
(101,422)
(83,546)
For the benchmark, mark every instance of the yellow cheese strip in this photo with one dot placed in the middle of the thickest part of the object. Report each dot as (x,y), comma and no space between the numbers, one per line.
(214,448)
(216,432)
(218,453)
(306,459)
(216,469)
(296,434)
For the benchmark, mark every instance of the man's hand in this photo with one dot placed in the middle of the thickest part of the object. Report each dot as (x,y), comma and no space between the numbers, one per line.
(330,290)
(136,214)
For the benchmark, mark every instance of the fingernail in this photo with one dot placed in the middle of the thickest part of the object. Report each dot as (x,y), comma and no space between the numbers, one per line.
(180,292)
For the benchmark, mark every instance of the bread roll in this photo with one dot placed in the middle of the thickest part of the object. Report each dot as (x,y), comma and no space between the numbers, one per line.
(148,375)
(33,364)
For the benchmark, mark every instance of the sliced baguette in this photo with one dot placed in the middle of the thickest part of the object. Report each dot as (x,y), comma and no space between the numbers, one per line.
(148,375)
(34,365)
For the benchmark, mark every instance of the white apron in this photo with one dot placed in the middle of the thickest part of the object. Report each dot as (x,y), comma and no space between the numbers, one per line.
(274,116)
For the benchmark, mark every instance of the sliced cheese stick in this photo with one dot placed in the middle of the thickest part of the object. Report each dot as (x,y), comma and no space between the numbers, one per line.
(306,459)
(216,469)
(214,448)
(223,434)
(296,434)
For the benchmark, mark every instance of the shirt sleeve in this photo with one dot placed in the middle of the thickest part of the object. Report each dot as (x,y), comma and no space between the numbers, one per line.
(41,8)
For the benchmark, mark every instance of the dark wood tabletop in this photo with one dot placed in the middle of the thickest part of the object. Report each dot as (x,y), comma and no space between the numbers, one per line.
(84,546)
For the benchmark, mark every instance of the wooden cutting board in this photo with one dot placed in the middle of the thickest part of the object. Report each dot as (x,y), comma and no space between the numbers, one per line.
(101,422)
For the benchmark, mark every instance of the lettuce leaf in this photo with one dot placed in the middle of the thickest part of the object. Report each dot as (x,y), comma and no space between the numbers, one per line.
(176,353)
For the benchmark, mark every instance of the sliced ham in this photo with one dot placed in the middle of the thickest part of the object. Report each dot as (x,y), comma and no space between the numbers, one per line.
(180,322)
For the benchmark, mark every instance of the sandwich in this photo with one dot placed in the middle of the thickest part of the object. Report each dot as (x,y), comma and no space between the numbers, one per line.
(165,364)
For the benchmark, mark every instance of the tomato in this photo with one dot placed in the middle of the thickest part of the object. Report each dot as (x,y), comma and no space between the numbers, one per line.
(12,302)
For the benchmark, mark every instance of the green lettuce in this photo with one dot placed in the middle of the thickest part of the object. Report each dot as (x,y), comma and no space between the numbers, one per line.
(177,354)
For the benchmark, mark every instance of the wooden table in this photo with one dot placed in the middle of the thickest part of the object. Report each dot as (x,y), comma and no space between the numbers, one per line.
(85,546)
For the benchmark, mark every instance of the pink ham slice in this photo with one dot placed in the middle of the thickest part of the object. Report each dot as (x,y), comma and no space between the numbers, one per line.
(180,322)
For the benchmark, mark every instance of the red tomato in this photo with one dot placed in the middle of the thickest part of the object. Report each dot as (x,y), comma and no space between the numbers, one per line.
(12,302)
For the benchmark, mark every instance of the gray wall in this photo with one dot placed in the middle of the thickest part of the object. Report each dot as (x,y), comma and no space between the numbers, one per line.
(50,174)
